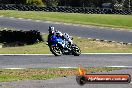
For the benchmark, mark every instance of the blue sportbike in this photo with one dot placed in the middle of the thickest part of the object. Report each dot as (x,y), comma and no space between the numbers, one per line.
(59,46)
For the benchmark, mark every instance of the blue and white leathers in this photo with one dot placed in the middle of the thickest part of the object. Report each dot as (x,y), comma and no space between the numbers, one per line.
(54,39)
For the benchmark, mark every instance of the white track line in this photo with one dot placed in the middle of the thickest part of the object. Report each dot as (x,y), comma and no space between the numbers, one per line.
(5,28)
(14,68)
(121,66)
(20,18)
(27,68)
(37,20)
(29,19)
(11,17)
(1,15)
(106,53)
(24,54)
(67,67)
(82,54)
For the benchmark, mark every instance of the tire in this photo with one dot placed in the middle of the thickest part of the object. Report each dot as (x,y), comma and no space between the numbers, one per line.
(81,80)
(76,50)
(55,50)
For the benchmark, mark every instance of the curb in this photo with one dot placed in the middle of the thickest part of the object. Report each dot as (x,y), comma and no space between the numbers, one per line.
(108,41)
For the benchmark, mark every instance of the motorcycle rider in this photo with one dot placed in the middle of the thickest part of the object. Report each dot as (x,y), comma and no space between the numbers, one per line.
(57,33)
(51,33)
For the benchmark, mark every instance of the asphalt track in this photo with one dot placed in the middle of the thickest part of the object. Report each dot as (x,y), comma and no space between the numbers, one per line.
(81,31)
(50,61)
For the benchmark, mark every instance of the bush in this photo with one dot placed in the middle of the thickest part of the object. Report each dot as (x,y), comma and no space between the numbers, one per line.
(53,3)
(35,2)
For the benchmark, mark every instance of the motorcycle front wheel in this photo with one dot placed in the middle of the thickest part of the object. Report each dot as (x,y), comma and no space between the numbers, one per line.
(55,50)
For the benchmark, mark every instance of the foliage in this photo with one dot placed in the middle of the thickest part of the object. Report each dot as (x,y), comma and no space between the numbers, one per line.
(35,2)
(53,3)
(72,3)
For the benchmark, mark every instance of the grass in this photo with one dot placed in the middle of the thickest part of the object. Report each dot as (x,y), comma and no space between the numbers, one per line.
(107,20)
(43,74)
(87,46)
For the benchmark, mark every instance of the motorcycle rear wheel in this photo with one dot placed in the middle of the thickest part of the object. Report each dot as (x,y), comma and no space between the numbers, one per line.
(76,50)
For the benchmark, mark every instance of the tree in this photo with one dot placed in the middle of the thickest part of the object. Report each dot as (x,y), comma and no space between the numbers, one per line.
(13,1)
(53,3)
(127,4)
(35,2)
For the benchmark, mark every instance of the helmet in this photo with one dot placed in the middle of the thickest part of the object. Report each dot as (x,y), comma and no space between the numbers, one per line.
(51,29)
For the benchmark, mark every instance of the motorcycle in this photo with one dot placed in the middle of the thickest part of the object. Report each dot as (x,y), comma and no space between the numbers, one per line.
(62,47)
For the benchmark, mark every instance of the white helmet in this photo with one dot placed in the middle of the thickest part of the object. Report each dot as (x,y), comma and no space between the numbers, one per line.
(51,29)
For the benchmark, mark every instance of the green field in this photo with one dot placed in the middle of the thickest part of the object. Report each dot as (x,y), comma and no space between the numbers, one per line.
(107,20)
(43,74)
